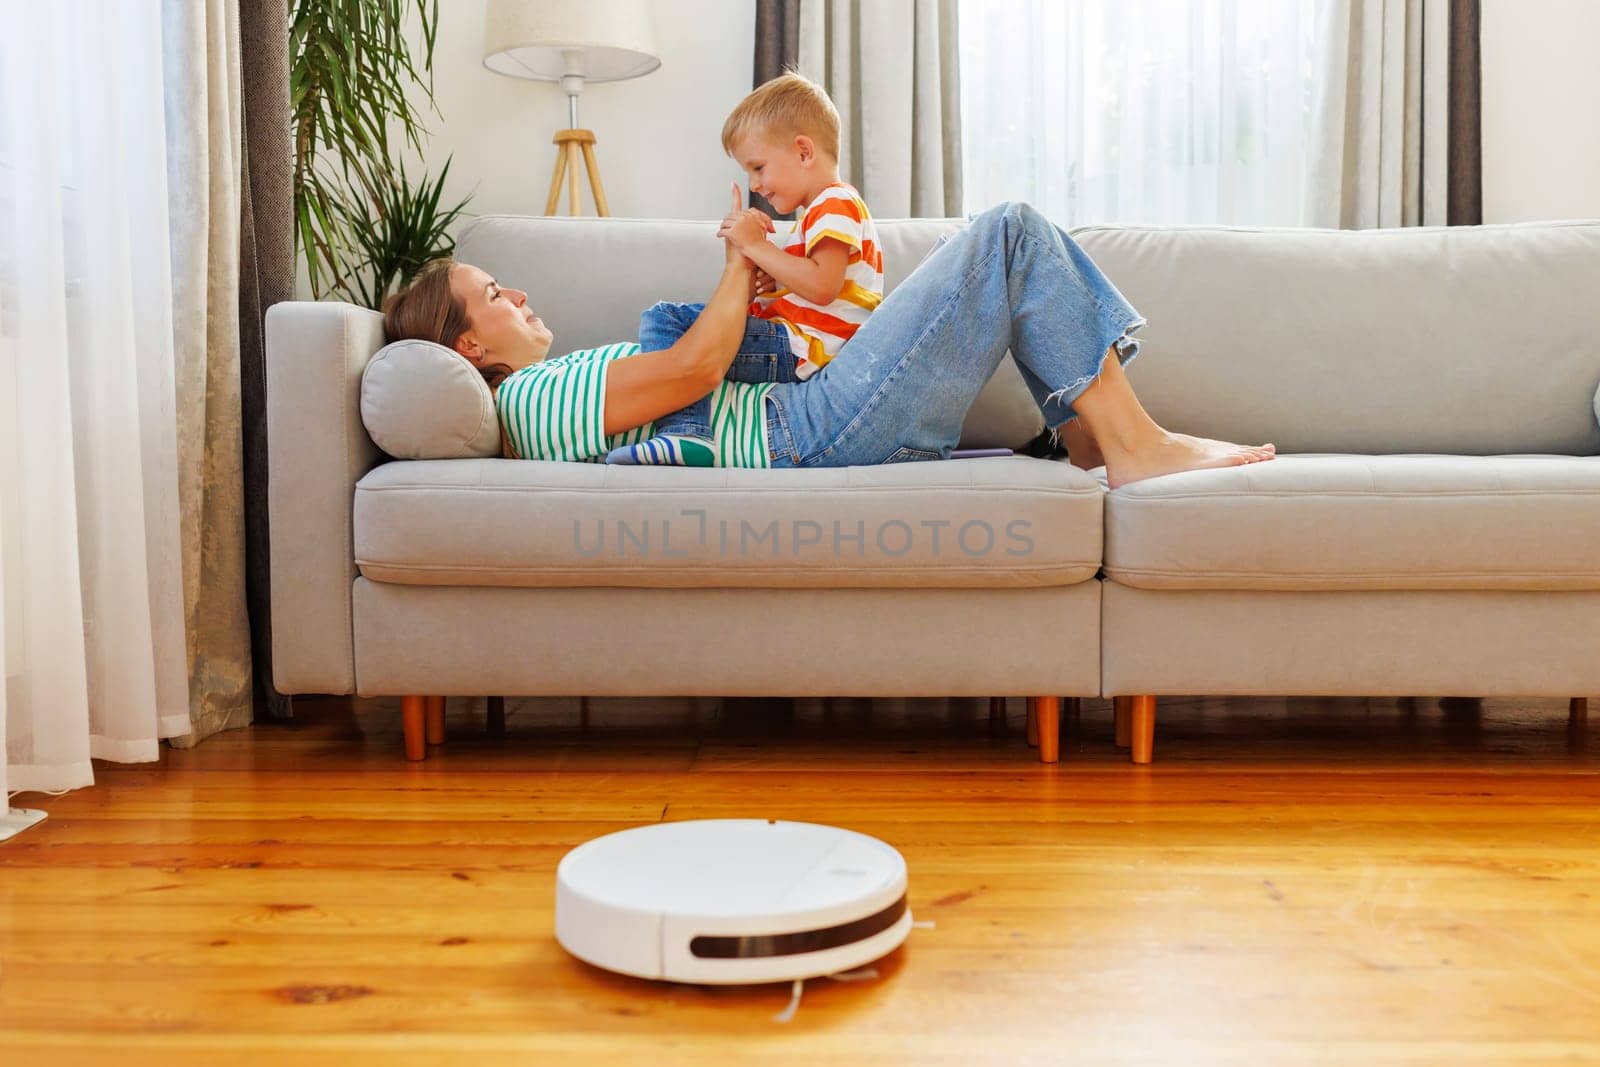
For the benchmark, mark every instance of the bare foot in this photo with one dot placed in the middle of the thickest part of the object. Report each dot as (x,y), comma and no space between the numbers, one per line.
(1170,453)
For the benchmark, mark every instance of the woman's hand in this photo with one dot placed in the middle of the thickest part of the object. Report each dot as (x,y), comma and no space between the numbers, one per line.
(648,385)
(764,283)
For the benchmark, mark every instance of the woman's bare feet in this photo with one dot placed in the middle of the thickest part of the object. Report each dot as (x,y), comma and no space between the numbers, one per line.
(1134,446)
(1170,453)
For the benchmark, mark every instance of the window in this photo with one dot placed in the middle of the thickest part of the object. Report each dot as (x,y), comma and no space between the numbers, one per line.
(1155,111)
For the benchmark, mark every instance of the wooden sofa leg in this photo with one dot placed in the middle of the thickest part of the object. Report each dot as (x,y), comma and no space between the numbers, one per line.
(496,717)
(435,712)
(412,713)
(1143,728)
(1048,720)
(1033,722)
(1578,711)
(1124,712)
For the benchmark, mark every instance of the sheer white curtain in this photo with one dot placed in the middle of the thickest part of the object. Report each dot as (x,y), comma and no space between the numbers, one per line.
(91,595)
(1154,111)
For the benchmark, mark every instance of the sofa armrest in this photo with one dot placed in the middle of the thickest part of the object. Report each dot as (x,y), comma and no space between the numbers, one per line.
(317,449)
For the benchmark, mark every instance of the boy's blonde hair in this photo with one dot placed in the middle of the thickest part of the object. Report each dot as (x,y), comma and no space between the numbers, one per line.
(787,106)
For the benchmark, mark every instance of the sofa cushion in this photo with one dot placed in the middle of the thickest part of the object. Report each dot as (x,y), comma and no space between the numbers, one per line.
(1362,522)
(1010,521)
(590,278)
(419,400)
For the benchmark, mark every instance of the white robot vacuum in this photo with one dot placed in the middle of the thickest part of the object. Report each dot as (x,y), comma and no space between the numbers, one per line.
(731,901)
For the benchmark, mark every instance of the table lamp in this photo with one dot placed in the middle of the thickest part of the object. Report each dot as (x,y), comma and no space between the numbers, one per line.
(571,41)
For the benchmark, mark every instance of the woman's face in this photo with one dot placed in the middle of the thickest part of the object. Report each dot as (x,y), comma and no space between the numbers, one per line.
(503,328)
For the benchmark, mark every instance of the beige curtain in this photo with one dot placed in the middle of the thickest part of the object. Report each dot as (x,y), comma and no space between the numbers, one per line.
(1381,119)
(892,69)
(201,50)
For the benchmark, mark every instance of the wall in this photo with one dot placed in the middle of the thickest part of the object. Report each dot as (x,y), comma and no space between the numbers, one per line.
(1541,109)
(658,137)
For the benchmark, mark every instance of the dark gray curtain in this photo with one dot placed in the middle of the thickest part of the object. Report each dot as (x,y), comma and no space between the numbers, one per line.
(1465,206)
(266,276)
(777,38)
(777,50)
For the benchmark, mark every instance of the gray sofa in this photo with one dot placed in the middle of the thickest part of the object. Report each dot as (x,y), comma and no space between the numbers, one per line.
(1430,528)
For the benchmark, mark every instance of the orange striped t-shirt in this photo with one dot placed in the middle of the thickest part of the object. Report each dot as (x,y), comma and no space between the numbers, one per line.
(818,331)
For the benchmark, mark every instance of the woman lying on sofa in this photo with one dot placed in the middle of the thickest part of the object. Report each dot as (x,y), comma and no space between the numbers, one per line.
(898,390)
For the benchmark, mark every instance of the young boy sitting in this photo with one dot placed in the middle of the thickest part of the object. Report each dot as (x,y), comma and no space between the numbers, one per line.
(814,286)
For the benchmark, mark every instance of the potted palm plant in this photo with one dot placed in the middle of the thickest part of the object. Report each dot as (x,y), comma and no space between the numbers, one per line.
(361,224)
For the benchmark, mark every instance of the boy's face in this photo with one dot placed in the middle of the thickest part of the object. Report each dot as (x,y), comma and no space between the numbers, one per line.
(784,170)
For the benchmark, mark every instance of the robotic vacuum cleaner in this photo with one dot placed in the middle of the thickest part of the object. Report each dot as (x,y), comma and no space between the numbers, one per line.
(731,901)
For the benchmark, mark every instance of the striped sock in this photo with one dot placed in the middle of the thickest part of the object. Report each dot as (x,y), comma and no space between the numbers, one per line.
(669,449)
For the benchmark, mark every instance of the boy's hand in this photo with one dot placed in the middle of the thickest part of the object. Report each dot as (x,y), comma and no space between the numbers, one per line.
(748,227)
(744,226)
(764,283)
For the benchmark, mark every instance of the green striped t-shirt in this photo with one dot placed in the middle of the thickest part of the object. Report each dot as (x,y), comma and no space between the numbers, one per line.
(556,410)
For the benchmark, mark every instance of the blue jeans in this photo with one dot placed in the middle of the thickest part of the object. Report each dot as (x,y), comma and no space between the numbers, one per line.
(900,388)
(764,356)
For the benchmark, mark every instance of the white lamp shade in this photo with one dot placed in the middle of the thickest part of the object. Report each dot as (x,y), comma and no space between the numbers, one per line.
(527,38)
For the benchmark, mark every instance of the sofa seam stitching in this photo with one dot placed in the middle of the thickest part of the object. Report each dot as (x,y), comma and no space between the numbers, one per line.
(742,491)
(1115,569)
(348,516)
(1421,494)
(691,569)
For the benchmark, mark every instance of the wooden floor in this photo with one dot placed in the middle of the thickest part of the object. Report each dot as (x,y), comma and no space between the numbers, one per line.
(1318,881)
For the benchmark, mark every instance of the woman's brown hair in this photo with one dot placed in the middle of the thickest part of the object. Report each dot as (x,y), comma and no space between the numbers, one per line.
(427,309)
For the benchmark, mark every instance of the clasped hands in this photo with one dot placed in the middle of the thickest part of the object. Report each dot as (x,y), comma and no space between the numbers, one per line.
(743,227)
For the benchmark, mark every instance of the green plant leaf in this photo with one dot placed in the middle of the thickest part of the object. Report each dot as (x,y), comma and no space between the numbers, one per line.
(404,231)
(351,66)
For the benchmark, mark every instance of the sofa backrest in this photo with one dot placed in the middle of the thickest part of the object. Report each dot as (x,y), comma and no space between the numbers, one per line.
(1473,340)
(1477,340)
(590,278)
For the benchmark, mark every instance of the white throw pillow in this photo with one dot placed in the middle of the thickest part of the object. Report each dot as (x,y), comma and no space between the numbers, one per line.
(419,400)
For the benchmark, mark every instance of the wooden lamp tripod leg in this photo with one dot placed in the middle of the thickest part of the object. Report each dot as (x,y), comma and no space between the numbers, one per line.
(600,207)
(574,189)
(555,179)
